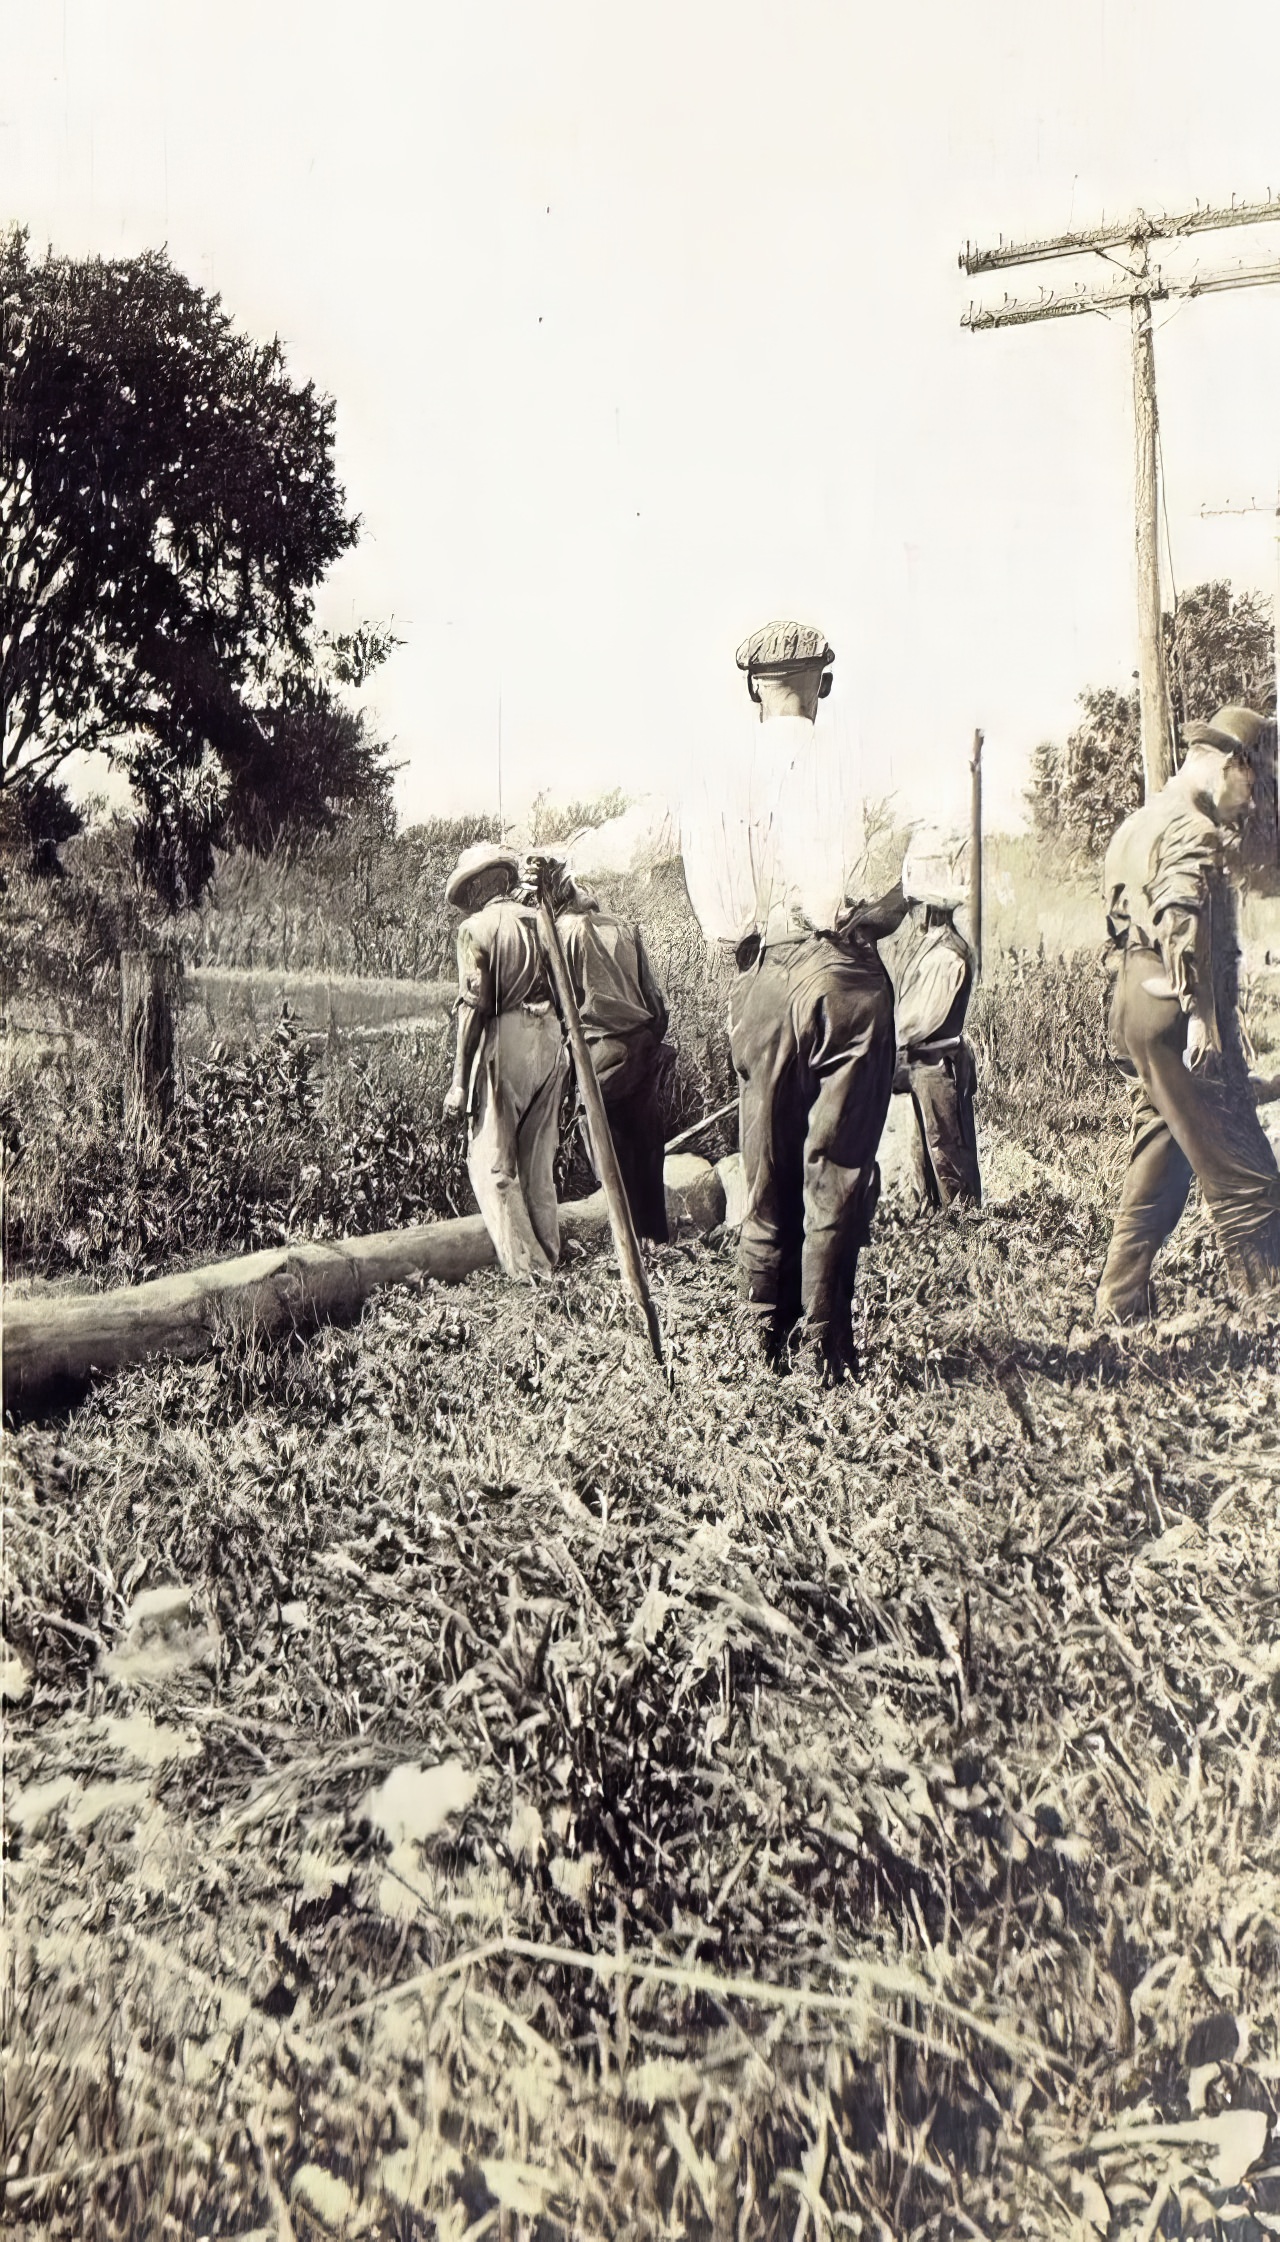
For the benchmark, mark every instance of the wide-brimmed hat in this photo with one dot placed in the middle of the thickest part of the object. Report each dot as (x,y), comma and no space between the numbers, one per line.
(1215,736)
(482,856)
(779,647)
(1243,725)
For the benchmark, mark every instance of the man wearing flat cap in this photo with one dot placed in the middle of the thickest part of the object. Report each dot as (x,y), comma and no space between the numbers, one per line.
(510,1064)
(1172,924)
(772,857)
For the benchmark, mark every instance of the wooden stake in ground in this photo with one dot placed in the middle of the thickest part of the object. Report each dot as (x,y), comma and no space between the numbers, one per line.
(1137,288)
(975,829)
(626,1244)
(148,985)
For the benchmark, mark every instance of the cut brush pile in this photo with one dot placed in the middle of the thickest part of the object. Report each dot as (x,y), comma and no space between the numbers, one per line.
(460,1784)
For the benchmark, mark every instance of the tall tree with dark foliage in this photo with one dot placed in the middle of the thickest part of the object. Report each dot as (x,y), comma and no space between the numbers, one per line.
(168,507)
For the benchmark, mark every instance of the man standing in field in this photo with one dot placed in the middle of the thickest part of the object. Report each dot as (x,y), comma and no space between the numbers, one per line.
(772,851)
(1171,917)
(624,1019)
(932,969)
(510,1063)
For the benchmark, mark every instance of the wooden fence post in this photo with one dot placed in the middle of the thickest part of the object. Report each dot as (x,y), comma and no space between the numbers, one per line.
(148,989)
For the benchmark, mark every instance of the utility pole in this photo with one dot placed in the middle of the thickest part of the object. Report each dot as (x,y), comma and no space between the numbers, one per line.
(1138,285)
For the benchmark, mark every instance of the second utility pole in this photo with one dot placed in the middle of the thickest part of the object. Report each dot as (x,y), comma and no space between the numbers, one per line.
(1153,687)
(1138,286)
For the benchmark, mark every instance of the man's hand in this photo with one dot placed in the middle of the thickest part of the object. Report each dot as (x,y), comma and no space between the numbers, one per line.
(1202,1043)
(455,1102)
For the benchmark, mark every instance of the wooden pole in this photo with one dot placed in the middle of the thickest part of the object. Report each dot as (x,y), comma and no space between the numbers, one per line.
(1153,692)
(975,832)
(148,982)
(626,1244)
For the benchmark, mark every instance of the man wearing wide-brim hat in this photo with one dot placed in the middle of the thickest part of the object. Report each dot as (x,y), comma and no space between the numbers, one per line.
(1172,923)
(932,968)
(510,1064)
(772,861)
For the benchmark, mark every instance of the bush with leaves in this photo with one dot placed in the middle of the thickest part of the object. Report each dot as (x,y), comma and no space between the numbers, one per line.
(1219,647)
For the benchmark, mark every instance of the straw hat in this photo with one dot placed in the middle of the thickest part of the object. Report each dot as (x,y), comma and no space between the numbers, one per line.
(482,856)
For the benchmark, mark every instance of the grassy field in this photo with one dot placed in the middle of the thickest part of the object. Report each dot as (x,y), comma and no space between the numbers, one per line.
(462,1782)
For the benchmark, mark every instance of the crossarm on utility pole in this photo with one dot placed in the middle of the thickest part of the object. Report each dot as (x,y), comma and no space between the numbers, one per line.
(626,1244)
(1140,227)
(1154,287)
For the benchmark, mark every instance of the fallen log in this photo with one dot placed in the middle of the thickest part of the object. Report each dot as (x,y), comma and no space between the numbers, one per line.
(56,1344)
(54,1347)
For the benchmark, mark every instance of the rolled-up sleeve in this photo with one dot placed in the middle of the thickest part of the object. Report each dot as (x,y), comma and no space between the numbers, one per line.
(1190,856)
(1180,892)
(475,973)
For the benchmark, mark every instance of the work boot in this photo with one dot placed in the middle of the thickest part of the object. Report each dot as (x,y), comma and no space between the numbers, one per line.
(1111,1308)
(1253,1264)
(815,1351)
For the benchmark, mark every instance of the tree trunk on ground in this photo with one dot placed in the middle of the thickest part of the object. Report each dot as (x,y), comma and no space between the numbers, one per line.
(148,989)
(55,1345)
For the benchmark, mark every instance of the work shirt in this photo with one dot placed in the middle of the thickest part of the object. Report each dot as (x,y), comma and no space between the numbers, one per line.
(611,975)
(1166,889)
(500,965)
(772,838)
(931,968)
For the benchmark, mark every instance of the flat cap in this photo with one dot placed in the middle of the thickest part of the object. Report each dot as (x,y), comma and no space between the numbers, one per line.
(784,646)
(482,856)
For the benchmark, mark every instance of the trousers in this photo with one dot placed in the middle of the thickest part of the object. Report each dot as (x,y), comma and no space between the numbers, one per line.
(811,1033)
(1184,1124)
(516,1092)
(942,1094)
(629,1071)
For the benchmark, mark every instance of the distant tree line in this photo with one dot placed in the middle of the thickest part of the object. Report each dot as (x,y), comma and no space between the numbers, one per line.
(1219,647)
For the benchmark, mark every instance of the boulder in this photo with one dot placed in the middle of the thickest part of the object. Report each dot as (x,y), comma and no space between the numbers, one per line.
(695,1194)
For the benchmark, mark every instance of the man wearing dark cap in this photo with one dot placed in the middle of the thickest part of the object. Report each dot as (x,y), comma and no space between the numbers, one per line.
(510,1065)
(1172,923)
(773,867)
(624,1019)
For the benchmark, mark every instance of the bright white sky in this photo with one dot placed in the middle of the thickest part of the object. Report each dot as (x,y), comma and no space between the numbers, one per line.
(643,325)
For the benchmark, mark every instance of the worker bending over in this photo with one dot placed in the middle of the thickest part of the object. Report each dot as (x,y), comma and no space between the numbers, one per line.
(510,1064)
(624,1019)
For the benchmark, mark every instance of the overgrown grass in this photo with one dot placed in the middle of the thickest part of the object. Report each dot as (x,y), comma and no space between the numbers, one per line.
(860,1802)
(460,1783)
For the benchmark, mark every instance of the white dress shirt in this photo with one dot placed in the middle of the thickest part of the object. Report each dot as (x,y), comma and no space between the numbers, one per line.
(772,835)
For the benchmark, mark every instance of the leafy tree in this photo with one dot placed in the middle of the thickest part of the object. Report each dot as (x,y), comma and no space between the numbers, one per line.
(1218,647)
(168,506)
(35,823)
(317,761)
